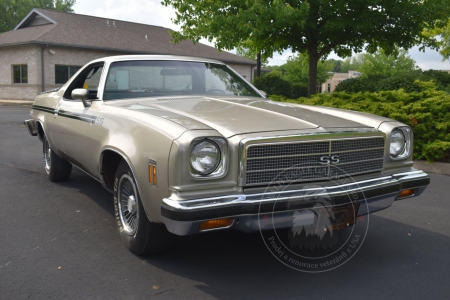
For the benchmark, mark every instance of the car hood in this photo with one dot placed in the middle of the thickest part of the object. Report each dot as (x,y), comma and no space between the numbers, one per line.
(239,115)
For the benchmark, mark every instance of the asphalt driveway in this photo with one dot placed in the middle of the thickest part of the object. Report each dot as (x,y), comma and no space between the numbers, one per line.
(60,241)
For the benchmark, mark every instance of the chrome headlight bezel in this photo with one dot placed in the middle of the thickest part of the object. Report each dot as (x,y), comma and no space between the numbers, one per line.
(405,151)
(220,169)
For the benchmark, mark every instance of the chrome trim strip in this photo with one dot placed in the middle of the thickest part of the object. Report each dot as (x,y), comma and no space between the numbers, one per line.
(223,201)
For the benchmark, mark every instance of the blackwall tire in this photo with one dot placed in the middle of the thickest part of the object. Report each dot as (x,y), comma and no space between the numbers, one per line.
(57,168)
(139,235)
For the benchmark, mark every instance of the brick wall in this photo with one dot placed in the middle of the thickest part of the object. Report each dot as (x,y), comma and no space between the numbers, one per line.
(53,55)
(243,70)
(22,55)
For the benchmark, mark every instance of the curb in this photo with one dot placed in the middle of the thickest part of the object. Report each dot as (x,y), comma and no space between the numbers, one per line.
(434,167)
(16,102)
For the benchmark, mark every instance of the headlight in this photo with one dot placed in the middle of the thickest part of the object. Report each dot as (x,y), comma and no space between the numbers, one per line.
(397,142)
(205,157)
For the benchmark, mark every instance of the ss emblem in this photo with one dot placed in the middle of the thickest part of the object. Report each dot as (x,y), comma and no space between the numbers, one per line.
(326,160)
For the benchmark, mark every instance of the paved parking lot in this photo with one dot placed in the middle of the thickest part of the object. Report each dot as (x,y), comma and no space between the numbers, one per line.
(60,241)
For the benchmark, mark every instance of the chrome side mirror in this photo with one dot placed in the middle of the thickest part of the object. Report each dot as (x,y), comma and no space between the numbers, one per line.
(83,95)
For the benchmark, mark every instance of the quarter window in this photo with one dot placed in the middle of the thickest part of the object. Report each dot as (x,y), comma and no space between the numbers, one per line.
(20,74)
(63,73)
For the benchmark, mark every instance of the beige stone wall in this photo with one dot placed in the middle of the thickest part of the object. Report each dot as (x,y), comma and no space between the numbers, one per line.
(21,55)
(243,70)
(330,84)
(31,56)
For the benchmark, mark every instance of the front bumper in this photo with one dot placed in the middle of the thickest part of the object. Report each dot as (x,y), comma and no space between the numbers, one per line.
(185,217)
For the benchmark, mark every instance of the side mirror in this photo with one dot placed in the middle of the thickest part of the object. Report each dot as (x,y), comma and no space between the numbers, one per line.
(263,93)
(83,95)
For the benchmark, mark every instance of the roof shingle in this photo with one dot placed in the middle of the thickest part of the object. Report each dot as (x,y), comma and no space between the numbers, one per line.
(83,31)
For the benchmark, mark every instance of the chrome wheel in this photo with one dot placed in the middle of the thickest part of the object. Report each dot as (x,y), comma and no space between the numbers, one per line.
(47,156)
(128,206)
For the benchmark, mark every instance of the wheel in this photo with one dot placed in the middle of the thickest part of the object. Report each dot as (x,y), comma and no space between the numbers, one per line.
(140,235)
(57,168)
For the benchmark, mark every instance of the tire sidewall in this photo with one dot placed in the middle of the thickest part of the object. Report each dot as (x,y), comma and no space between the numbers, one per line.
(136,242)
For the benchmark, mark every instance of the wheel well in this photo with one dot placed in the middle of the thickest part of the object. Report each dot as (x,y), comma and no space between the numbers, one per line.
(110,162)
(40,131)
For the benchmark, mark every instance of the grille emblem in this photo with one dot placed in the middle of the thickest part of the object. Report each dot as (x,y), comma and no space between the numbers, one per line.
(327,160)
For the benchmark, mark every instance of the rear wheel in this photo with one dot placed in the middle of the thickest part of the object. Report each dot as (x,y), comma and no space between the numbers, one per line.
(140,235)
(57,168)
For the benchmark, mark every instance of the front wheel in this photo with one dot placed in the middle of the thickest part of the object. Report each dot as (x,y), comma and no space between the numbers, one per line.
(140,235)
(57,168)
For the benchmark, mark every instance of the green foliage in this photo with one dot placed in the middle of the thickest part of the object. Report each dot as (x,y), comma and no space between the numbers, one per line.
(405,81)
(273,84)
(384,64)
(313,27)
(442,34)
(296,70)
(248,50)
(427,112)
(352,63)
(13,11)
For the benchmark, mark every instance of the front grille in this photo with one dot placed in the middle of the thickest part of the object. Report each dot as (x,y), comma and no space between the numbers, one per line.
(300,161)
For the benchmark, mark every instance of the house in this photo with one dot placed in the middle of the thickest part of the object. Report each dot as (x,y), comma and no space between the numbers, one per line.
(47,47)
(330,85)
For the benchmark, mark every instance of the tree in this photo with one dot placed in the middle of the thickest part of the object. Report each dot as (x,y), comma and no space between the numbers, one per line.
(314,27)
(296,70)
(352,63)
(443,35)
(387,65)
(13,11)
(249,50)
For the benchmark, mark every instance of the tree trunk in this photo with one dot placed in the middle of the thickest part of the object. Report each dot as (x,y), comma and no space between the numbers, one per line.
(312,74)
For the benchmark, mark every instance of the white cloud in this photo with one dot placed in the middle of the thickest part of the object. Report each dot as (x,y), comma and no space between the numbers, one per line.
(152,12)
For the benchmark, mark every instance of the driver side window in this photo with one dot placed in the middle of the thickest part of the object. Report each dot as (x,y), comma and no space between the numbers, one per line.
(88,79)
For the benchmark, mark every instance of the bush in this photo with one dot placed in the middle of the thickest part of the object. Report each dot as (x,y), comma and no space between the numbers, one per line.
(405,81)
(273,84)
(427,112)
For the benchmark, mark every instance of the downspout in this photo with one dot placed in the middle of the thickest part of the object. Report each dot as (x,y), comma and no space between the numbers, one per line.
(42,69)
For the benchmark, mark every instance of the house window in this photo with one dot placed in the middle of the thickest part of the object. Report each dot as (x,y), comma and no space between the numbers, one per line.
(20,74)
(63,73)
(329,88)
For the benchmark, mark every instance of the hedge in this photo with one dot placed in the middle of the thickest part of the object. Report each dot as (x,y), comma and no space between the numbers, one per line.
(426,111)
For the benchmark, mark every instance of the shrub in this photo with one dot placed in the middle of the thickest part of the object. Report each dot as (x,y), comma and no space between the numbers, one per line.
(405,81)
(273,84)
(427,112)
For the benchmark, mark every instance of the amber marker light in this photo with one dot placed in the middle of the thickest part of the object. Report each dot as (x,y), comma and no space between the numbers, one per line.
(214,224)
(152,174)
(406,193)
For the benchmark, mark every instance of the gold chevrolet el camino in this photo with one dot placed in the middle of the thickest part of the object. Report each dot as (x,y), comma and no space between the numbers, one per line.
(186,145)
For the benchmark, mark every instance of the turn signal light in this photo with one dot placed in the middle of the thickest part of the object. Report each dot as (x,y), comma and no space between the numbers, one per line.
(152,174)
(406,193)
(214,224)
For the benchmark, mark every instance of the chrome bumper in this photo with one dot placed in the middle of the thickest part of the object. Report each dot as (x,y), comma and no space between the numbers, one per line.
(185,217)
(31,125)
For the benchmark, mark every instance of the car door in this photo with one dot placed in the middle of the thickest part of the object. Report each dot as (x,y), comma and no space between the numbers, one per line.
(78,129)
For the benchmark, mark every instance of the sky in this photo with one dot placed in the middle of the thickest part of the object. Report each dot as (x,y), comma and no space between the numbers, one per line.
(152,12)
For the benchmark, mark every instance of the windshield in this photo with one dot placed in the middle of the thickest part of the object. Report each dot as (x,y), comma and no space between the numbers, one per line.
(135,79)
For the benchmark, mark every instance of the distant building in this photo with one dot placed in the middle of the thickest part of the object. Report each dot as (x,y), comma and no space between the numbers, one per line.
(330,85)
(47,47)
